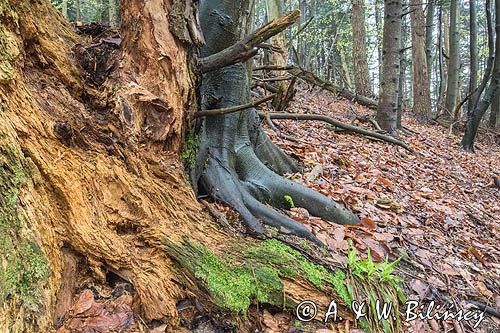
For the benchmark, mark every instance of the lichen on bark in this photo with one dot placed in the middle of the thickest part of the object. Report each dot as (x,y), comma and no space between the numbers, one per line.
(24,270)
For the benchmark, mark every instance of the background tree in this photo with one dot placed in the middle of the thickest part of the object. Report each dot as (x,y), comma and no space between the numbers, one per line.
(454,61)
(361,73)
(474,118)
(388,103)
(421,81)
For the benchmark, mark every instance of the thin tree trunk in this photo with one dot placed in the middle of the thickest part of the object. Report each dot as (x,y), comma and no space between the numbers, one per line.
(442,42)
(64,8)
(379,28)
(274,9)
(454,61)
(474,61)
(113,15)
(474,118)
(388,104)
(494,121)
(78,9)
(421,82)
(429,33)
(360,63)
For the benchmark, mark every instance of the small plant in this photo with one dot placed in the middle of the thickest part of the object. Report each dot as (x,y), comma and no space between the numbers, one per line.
(370,281)
(289,199)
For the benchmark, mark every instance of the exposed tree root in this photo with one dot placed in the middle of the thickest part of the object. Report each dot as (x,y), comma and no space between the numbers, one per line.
(241,165)
(331,121)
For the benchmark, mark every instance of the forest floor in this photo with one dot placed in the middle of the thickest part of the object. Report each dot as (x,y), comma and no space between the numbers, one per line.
(435,209)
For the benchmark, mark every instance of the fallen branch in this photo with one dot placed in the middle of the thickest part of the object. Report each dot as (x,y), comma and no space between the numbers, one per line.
(217,112)
(277,131)
(331,121)
(273,79)
(313,79)
(273,68)
(248,46)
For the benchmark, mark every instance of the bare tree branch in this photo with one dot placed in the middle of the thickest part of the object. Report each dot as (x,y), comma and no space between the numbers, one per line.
(248,46)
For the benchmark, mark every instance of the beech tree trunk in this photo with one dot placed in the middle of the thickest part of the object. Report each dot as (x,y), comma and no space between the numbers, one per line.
(454,61)
(360,63)
(421,81)
(90,173)
(474,61)
(388,103)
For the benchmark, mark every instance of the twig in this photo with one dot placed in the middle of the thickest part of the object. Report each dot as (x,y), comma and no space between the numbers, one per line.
(216,112)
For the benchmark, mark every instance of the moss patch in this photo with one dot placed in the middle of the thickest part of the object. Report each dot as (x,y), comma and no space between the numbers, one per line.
(235,286)
(191,148)
(23,269)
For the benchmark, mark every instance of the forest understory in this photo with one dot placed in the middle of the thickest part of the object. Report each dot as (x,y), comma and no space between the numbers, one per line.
(142,191)
(437,209)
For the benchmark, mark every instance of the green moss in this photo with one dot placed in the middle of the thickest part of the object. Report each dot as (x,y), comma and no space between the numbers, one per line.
(24,269)
(191,148)
(235,286)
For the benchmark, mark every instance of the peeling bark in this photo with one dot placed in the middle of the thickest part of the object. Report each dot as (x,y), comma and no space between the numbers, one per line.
(105,178)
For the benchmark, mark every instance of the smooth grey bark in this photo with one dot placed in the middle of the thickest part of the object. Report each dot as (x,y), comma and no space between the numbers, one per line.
(494,120)
(429,32)
(491,56)
(474,118)
(388,104)
(378,23)
(474,62)
(454,61)
(236,162)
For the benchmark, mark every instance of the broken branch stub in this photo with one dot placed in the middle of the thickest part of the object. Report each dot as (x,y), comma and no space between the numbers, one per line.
(248,46)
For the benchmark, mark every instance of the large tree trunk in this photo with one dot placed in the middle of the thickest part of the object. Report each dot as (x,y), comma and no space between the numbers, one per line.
(360,63)
(92,171)
(421,81)
(388,104)
(454,61)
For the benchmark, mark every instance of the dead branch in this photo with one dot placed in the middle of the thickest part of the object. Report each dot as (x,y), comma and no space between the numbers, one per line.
(273,68)
(331,121)
(277,131)
(217,112)
(247,47)
(313,79)
(273,79)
